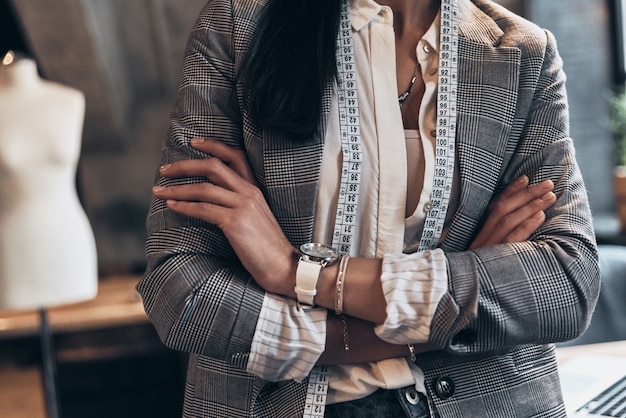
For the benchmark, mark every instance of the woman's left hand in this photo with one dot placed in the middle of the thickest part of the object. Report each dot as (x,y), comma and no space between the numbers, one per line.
(516,213)
(231,200)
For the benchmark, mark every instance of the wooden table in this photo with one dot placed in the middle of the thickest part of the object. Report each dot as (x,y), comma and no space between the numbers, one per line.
(117,303)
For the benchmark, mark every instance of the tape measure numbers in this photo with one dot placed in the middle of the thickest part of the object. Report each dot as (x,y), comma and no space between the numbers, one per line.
(316,393)
(350,132)
(345,221)
(350,185)
(446,126)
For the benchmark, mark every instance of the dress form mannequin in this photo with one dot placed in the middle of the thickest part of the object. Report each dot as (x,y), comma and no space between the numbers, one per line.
(47,248)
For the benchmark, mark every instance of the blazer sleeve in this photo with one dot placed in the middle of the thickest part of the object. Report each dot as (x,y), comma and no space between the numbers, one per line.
(196,293)
(542,290)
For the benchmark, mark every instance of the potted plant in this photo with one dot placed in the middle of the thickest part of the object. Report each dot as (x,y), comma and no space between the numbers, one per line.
(618,126)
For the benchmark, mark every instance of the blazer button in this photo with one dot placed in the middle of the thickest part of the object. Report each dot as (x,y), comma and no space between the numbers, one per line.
(444,387)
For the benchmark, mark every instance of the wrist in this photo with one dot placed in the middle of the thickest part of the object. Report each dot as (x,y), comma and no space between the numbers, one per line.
(285,274)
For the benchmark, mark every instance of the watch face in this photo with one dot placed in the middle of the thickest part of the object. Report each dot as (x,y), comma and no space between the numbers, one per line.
(316,250)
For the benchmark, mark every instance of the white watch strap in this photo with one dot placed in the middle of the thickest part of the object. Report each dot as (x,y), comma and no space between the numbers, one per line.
(307,275)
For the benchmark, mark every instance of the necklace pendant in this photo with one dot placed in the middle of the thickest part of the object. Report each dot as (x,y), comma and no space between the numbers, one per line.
(402,98)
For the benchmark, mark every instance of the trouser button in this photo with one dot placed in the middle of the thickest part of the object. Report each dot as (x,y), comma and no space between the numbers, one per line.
(411,395)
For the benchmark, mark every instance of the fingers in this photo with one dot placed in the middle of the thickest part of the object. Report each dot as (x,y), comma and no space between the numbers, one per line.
(212,203)
(526,228)
(200,192)
(203,201)
(229,194)
(515,197)
(518,194)
(219,200)
(518,185)
(235,158)
(212,169)
(518,225)
(207,212)
(517,213)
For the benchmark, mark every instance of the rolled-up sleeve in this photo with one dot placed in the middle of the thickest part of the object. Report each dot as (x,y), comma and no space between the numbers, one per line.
(413,285)
(288,340)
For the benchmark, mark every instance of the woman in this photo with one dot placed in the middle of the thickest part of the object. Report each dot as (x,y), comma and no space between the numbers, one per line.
(460,328)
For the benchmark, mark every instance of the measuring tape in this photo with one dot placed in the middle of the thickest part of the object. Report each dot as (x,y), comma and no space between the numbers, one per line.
(350,132)
(345,221)
(446,126)
(350,186)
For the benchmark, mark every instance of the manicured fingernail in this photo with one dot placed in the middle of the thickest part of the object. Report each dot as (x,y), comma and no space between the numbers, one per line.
(157,189)
(522,179)
(196,140)
(165,167)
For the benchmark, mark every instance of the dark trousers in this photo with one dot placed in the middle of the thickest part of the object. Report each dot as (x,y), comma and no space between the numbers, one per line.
(399,403)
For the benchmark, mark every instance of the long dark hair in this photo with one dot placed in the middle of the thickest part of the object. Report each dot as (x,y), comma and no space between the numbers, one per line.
(293,59)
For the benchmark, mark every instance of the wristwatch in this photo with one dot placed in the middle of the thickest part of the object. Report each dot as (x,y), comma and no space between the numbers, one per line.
(313,258)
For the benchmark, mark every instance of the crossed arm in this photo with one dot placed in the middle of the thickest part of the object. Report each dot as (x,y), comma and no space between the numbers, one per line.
(231,200)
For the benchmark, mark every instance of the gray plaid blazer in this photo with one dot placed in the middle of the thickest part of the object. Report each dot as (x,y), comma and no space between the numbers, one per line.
(505,305)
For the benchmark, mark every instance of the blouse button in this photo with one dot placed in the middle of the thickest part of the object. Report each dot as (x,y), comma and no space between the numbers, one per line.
(433,71)
(427,48)
(428,207)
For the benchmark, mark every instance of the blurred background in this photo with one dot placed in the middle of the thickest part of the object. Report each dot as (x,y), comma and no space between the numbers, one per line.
(125,56)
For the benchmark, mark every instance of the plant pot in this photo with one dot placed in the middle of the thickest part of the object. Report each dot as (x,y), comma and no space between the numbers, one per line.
(619,181)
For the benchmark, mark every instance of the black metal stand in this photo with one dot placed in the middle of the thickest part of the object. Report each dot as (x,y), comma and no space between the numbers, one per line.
(48,366)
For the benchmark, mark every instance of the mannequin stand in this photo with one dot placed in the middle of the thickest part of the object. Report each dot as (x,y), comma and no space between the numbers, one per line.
(48,366)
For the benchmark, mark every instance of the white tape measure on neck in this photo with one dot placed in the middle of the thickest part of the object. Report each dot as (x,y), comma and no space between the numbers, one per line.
(349,188)
(350,132)
(345,222)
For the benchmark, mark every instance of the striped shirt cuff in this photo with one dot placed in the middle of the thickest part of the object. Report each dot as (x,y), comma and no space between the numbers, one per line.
(413,285)
(288,340)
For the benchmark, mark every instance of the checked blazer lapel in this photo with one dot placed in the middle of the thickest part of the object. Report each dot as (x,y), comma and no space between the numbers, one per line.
(488,80)
(292,172)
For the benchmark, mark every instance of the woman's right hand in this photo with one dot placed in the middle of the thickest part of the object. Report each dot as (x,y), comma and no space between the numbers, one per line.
(231,200)
(516,213)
